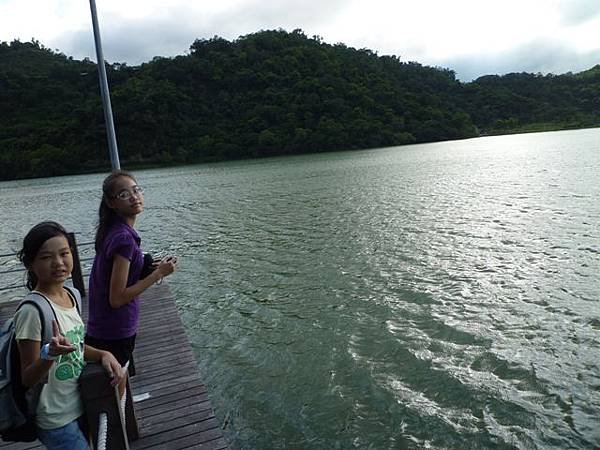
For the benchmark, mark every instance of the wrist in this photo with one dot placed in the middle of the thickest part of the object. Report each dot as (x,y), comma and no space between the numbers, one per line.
(159,276)
(45,353)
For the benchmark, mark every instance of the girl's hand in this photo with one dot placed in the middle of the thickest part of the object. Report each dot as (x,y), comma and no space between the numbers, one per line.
(59,344)
(113,368)
(167,266)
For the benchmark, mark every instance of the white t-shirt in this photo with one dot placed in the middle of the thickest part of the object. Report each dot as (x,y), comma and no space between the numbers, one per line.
(60,401)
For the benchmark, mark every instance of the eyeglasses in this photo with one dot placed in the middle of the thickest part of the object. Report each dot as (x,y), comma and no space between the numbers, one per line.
(126,194)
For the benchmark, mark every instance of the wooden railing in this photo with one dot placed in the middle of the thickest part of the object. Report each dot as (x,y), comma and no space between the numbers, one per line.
(109,427)
(77,275)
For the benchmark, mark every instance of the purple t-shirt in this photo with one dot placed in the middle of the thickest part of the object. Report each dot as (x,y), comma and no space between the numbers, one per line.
(104,321)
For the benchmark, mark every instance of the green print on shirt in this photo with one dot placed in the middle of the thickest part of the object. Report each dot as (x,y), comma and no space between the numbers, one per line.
(70,365)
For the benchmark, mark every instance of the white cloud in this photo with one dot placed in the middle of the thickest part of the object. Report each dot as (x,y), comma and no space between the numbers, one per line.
(574,12)
(476,33)
(540,56)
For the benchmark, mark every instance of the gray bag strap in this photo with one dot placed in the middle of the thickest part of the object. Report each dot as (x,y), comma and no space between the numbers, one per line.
(46,311)
(47,314)
(75,297)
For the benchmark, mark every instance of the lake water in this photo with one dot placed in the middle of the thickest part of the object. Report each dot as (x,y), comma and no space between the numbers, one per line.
(436,296)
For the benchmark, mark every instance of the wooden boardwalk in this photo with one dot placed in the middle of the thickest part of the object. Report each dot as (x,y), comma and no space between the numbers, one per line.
(178,413)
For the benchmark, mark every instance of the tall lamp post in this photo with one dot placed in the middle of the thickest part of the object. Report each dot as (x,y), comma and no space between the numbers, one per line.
(108,117)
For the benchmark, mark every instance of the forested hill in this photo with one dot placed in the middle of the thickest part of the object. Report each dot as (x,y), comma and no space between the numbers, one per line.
(268,93)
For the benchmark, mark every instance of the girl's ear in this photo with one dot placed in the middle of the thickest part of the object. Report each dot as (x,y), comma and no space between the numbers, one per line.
(109,202)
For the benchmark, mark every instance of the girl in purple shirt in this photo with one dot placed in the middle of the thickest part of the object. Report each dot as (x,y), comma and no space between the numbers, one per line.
(115,284)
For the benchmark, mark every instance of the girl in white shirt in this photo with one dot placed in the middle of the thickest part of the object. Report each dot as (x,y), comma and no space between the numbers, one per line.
(47,257)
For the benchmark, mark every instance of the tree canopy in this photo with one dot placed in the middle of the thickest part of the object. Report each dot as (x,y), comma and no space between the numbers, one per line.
(268,93)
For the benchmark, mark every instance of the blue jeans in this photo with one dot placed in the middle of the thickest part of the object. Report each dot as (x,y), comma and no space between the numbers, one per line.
(68,437)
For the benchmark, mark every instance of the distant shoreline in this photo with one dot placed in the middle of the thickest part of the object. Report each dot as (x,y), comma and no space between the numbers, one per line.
(137,165)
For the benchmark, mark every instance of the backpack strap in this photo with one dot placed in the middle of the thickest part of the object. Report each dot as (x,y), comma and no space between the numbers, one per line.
(75,297)
(46,311)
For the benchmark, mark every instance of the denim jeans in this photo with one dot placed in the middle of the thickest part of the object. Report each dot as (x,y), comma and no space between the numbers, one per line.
(69,437)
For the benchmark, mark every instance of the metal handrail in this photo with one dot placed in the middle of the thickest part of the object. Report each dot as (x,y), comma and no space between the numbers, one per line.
(77,275)
(82,244)
(14,286)
(22,285)
(20,269)
(79,244)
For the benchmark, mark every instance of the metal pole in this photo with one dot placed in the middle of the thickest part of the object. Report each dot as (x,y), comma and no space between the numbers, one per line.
(108,117)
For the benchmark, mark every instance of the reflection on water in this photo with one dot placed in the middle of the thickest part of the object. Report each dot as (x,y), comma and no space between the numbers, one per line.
(428,296)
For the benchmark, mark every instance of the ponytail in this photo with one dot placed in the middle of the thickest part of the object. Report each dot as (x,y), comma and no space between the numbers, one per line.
(106,215)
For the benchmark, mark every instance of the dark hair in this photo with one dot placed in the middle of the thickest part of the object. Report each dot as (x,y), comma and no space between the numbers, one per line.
(106,215)
(33,241)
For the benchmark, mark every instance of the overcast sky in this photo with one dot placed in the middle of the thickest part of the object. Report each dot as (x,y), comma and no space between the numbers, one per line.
(471,37)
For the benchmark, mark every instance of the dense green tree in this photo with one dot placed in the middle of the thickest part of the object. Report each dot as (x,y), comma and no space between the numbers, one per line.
(267,93)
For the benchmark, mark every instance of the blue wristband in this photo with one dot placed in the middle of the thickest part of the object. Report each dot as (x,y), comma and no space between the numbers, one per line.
(45,353)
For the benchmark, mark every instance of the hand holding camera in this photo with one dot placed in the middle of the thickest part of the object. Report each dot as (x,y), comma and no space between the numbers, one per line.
(167,265)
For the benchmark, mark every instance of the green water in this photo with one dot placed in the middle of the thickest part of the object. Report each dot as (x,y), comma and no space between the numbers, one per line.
(438,296)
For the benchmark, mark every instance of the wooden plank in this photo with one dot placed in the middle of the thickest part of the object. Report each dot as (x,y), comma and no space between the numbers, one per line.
(184,404)
(174,397)
(198,432)
(143,385)
(180,383)
(143,379)
(170,420)
(170,407)
(167,362)
(189,442)
(169,354)
(173,338)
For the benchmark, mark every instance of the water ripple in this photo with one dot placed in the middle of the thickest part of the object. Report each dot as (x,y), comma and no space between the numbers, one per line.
(433,296)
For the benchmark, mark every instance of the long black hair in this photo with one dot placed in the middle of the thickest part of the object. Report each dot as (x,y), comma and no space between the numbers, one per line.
(33,241)
(106,215)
